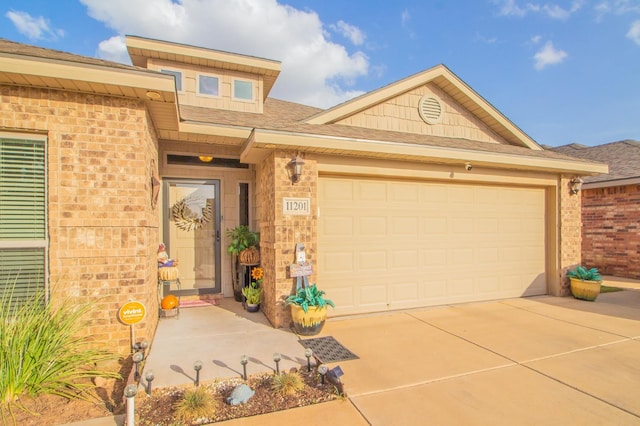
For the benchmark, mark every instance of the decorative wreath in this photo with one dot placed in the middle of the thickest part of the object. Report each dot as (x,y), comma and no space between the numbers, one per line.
(192,212)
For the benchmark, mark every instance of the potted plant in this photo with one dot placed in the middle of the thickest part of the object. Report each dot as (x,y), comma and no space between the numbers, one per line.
(308,310)
(585,283)
(253,291)
(243,242)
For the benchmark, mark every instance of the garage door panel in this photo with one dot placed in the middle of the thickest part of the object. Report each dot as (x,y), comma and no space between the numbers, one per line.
(409,244)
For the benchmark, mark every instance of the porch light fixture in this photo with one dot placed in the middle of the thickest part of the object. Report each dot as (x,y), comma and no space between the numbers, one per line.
(137,359)
(197,366)
(575,185)
(153,95)
(294,168)
(205,158)
(149,376)
(244,360)
(308,353)
(276,358)
(322,369)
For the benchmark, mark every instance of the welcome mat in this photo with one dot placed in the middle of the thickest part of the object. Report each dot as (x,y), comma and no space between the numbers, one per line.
(327,349)
(197,303)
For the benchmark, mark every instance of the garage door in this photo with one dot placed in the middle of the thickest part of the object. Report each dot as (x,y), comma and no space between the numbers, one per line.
(386,245)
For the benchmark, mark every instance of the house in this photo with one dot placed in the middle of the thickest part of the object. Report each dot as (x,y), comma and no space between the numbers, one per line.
(610,208)
(419,193)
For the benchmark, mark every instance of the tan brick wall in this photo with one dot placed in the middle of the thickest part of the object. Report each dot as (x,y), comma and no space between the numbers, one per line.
(570,232)
(280,233)
(611,230)
(103,233)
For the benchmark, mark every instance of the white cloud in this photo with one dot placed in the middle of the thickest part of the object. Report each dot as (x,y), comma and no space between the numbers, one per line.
(536,39)
(634,33)
(511,8)
(552,10)
(114,49)
(351,32)
(405,17)
(548,55)
(315,70)
(35,28)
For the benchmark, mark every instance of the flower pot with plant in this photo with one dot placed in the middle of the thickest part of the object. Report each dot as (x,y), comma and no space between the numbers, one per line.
(253,292)
(585,283)
(308,310)
(243,250)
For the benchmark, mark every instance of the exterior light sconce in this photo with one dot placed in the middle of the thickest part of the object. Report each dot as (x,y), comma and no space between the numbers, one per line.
(149,376)
(294,169)
(308,353)
(197,366)
(276,358)
(244,360)
(575,185)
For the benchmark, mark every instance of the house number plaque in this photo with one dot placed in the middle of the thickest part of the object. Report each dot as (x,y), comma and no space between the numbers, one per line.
(296,206)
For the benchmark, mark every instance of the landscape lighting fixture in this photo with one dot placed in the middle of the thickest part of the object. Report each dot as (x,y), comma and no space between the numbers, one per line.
(322,369)
(149,376)
(137,359)
(294,168)
(130,393)
(244,360)
(308,353)
(197,366)
(276,358)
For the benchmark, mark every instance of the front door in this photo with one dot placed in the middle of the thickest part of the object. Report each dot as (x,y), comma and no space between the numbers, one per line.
(192,232)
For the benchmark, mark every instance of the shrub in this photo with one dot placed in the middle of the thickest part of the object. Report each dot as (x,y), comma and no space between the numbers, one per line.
(287,383)
(585,274)
(194,404)
(44,353)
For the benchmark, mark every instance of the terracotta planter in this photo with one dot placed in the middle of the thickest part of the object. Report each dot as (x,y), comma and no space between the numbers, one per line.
(309,323)
(585,290)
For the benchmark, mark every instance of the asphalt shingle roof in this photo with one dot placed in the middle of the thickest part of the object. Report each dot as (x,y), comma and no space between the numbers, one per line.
(623,158)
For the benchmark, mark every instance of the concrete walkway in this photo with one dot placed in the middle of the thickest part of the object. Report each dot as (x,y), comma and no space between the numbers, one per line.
(542,360)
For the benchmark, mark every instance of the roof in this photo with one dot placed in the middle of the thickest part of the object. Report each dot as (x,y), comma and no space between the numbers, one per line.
(623,158)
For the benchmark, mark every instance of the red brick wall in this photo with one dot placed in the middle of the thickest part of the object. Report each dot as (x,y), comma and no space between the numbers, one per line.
(103,232)
(611,230)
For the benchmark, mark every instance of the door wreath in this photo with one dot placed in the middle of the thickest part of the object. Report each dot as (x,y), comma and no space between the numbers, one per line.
(192,212)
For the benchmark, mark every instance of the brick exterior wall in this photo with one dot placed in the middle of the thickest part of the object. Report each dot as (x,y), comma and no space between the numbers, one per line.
(570,234)
(103,232)
(280,233)
(611,230)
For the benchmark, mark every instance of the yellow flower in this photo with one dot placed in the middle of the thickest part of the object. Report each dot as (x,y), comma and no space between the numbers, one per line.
(257,273)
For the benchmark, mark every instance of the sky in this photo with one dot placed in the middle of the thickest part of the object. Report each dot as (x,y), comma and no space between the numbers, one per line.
(562,71)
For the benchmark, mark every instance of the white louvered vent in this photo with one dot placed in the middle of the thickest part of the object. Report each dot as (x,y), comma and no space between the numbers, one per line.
(430,109)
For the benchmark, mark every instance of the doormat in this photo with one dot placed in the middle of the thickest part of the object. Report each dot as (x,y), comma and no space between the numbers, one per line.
(327,349)
(197,303)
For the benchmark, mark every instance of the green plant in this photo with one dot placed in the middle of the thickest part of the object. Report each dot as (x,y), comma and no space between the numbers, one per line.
(252,293)
(585,274)
(309,296)
(241,238)
(287,383)
(194,404)
(43,351)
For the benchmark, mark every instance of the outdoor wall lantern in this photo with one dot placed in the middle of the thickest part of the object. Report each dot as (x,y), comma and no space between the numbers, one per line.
(294,168)
(575,185)
(308,353)
(276,358)
(137,359)
(149,376)
(244,360)
(197,366)
(322,369)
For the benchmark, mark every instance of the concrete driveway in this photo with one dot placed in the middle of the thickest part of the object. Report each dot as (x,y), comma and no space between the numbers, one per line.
(542,360)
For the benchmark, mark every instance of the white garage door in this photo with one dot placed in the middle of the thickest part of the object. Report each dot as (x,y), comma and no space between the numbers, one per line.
(398,244)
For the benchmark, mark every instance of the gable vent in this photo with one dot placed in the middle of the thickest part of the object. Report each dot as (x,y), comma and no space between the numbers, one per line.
(430,109)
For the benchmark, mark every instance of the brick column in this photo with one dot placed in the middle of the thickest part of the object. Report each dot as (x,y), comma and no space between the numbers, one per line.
(570,232)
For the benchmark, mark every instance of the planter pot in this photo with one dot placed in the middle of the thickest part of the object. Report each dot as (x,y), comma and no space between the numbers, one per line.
(309,323)
(585,290)
(253,307)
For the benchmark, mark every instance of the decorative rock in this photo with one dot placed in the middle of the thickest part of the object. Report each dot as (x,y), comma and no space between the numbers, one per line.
(240,394)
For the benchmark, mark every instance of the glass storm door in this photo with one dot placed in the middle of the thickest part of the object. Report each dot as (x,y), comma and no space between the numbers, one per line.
(192,232)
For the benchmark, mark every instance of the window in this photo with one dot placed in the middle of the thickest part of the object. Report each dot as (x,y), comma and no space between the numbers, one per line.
(23,215)
(177,75)
(208,85)
(243,89)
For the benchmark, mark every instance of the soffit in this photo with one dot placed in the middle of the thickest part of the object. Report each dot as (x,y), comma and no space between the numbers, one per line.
(140,49)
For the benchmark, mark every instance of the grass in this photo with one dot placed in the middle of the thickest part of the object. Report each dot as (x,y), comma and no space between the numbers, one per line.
(287,383)
(44,352)
(609,289)
(194,404)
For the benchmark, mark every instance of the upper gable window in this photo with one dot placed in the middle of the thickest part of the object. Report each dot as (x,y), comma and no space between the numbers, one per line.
(177,75)
(243,90)
(208,85)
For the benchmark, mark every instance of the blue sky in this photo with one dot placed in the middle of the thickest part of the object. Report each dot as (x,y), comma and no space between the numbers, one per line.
(563,71)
